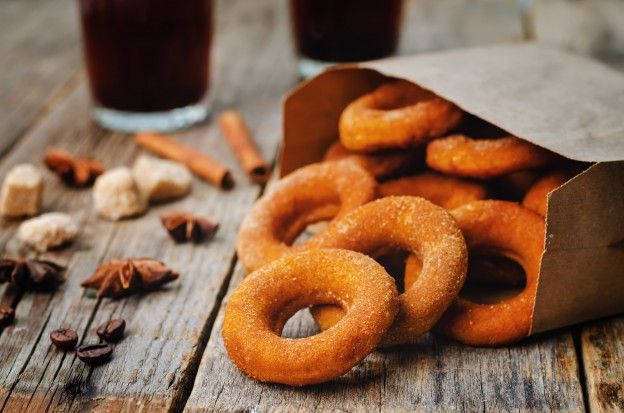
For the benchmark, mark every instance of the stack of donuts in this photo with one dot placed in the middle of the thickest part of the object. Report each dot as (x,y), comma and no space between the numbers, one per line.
(413,174)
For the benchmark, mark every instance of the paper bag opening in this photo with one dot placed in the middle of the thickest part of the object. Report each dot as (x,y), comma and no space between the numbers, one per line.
(568,104)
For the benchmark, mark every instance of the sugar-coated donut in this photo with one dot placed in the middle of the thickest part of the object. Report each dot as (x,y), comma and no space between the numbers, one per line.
(380,164)
(445,191)
(310,194)
(260,306)
(415,225)
(517,233)
(398,114)
(460,155)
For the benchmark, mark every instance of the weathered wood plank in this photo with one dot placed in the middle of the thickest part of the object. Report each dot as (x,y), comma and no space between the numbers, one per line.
(602,346)
(154,365)
(39,53)
(433,374)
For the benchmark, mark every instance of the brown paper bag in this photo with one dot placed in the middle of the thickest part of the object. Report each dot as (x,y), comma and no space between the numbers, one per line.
(566,103)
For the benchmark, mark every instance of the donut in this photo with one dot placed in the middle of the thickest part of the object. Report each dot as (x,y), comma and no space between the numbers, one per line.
(510,230)
(260,306)
(536,198)
(313,193)
(397,114)
(445,191)
(380,164)
(415,225)
(460,155)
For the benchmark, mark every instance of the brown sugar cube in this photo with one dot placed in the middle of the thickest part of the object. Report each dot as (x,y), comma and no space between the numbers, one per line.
(48,231)
(160,179)
(116,195)
(21,191)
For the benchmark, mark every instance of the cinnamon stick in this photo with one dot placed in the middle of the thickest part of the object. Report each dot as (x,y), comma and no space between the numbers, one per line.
(238,136)
(202,165)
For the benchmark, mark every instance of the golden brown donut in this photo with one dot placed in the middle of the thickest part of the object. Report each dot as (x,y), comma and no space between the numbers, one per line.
(517,233)
(380,164)
(537,197)
(415,225)
(460,155)
(445,191)
(316,192)
(260,306)
(397,114)
(313,193)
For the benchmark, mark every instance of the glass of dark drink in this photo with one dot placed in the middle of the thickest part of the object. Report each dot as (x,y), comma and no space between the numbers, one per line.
(147,61)
(333,31)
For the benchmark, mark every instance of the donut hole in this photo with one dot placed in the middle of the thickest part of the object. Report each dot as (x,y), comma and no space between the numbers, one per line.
(312,229)
(394,262)
(303,224)
(300,325)
(492,277)
(387,99)
(291,318)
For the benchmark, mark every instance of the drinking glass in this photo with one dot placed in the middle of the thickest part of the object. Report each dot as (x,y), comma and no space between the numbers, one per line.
(332,31)
(147,62)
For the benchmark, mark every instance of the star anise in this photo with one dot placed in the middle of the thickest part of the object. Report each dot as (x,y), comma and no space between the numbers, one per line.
(73,171)
(118,278)
(31,274)
(188,227)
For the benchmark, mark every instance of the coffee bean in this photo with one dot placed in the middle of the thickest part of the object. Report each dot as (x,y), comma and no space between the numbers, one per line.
(7,315)
(112,330)
(94,353)
(64,338)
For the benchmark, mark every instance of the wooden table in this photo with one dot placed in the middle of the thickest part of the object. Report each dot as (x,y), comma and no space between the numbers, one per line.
(173,356)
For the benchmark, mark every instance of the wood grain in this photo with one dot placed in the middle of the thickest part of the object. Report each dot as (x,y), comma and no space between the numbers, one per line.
(39,55)
(603,351)
(154,365)
(432,374)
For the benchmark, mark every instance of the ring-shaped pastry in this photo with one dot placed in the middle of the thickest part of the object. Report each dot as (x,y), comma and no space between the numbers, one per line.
(517,233)
(460,155)
(411,224)
(313,193)
(398,114)
(260,306)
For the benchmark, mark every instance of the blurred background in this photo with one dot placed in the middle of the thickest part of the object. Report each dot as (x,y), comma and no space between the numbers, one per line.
(41,38)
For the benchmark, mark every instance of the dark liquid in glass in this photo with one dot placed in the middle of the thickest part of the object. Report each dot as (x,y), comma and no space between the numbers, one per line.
(147,55)
(346,30)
